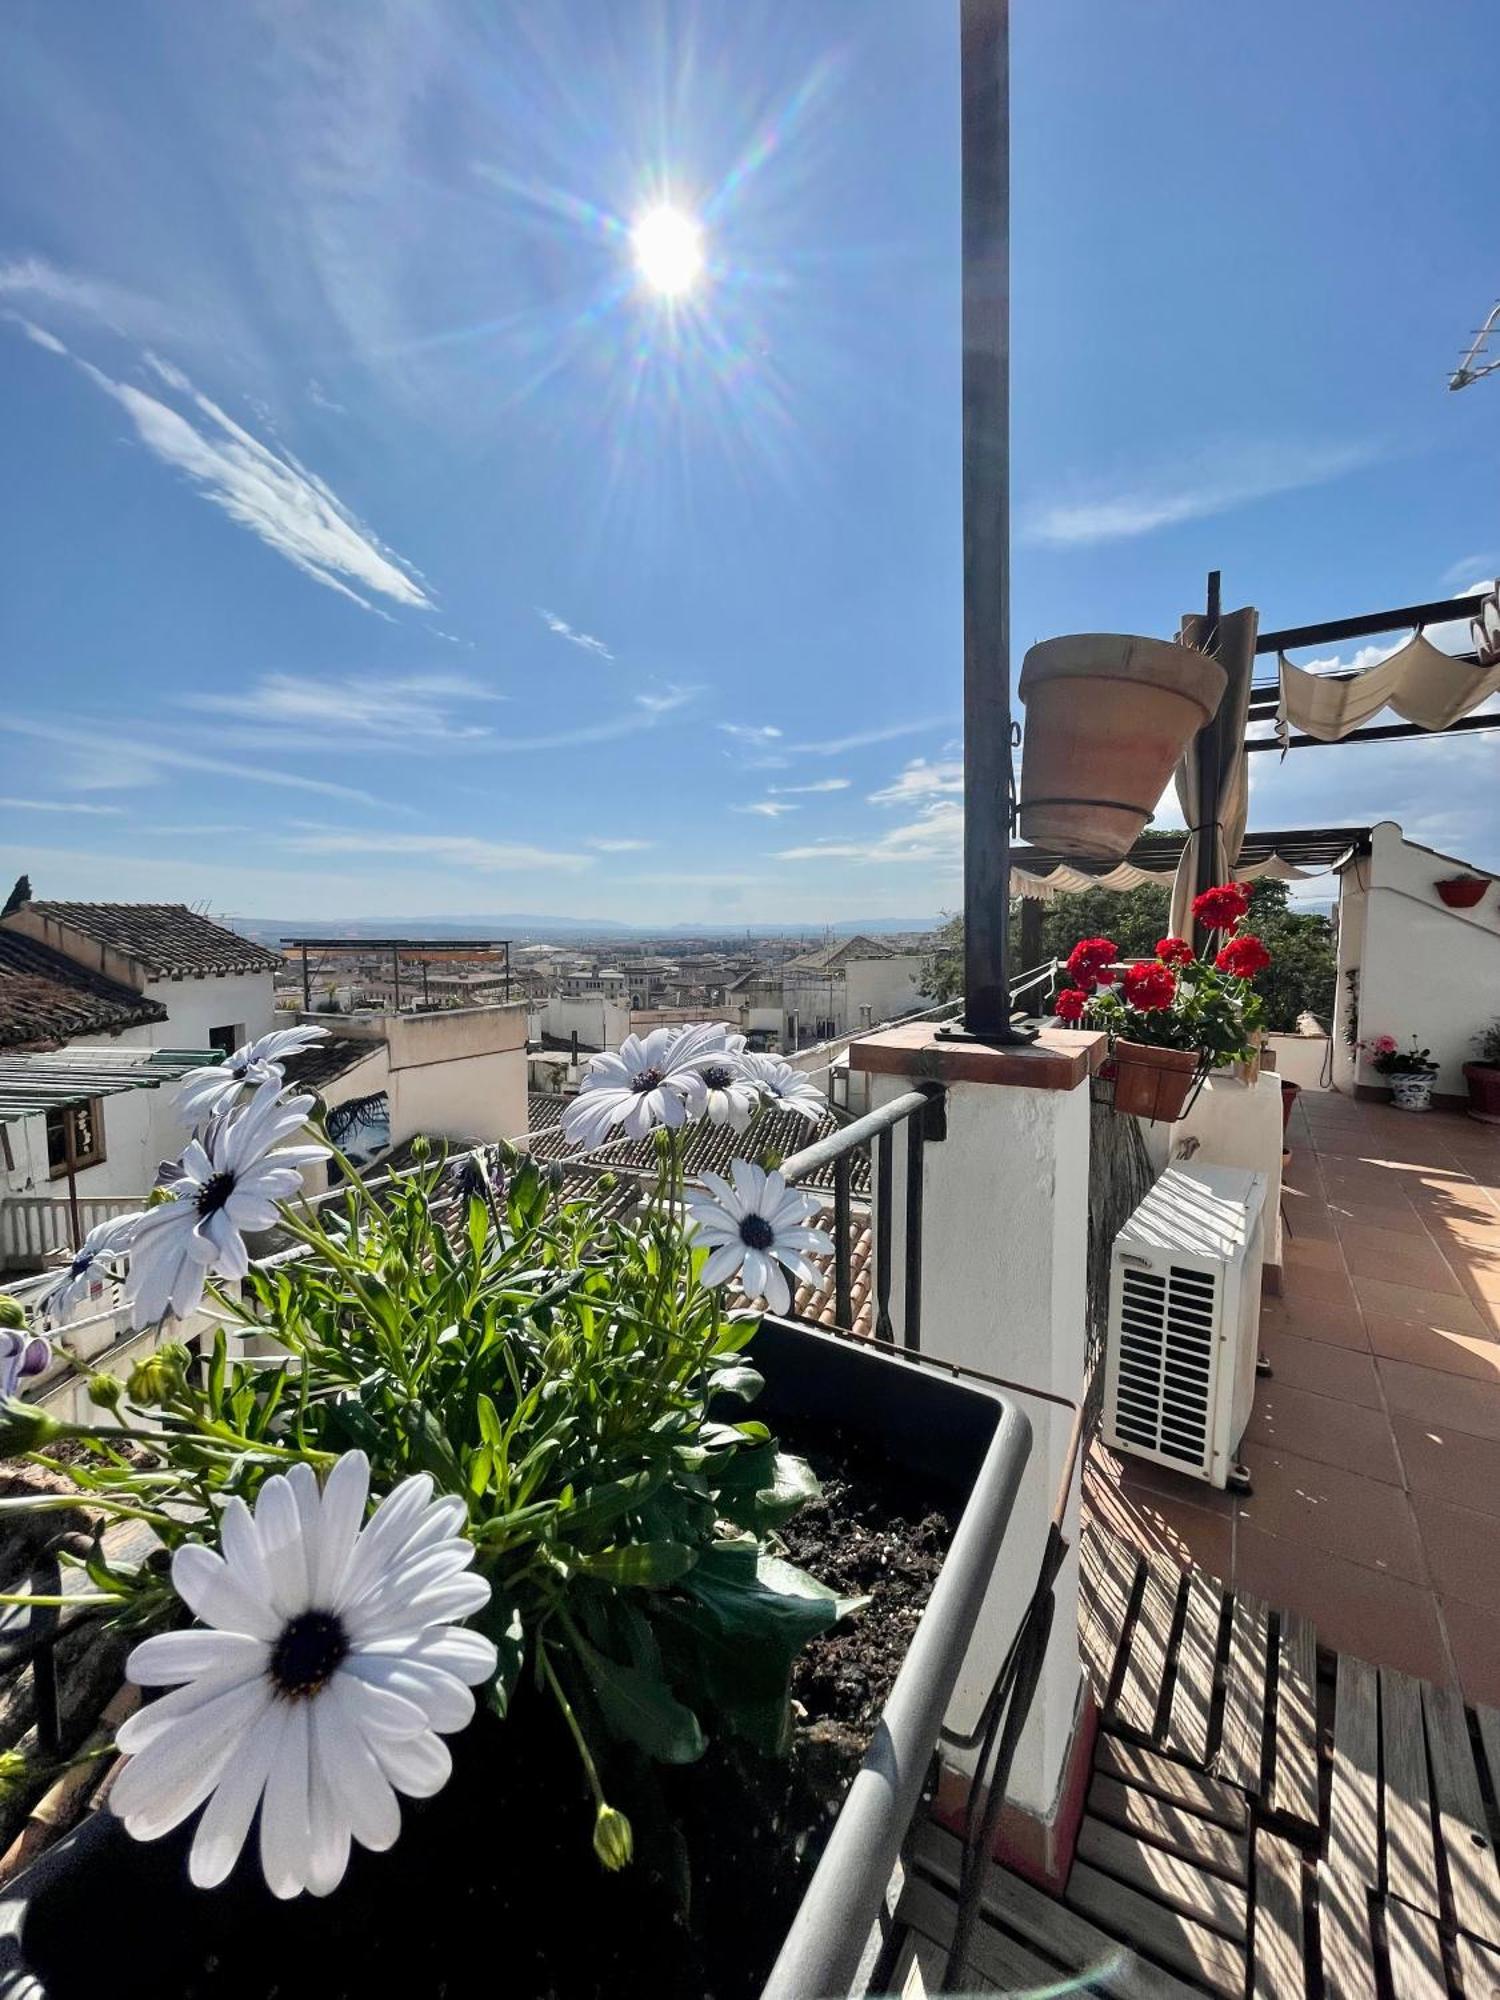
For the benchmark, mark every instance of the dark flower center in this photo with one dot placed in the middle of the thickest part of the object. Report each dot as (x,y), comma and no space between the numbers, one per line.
(307,1655)
(718,1076)
(756,1233)
(649,1079)
(213,1194)
(240,1069)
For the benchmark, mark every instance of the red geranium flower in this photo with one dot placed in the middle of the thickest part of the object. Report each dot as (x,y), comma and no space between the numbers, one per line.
(1174,951)
(1090,960)
(1150,986)
(1221,909)
(1243,956)
(1070,1003)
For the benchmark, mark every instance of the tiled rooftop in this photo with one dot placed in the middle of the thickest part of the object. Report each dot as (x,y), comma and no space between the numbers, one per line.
(167,939)
(772,1136)
(45,997)
(1374,1446)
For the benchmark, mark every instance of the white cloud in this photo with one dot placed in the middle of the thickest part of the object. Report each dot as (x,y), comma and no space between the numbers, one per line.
(1485,565)
(456,850)
(584,640)
(766,808)
(72,295)
(834,746)
(664,700)
(607,844)
(37,335)
(57,806)
(935,839)
(1210,483)
(395,709)
(265,490)
(128,762)
(922,780)
(750,732)
(818,785)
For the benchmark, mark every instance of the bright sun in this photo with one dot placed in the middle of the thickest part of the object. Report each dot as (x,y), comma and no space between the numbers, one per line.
(668,247)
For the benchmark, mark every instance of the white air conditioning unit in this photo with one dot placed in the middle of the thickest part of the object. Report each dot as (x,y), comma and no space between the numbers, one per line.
(1184,1318)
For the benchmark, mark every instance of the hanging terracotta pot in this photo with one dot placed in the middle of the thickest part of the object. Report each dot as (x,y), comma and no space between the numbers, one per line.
(1153,1083)
(1107,717)
(1462,892)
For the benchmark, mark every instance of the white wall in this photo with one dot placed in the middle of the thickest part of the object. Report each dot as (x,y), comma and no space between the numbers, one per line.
(194,1006)
(597,1022)
(1424,970)
(1303,1059)
(460,1074)
(888,987)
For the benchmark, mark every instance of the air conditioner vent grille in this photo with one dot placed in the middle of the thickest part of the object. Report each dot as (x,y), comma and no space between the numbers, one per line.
(1165,1343)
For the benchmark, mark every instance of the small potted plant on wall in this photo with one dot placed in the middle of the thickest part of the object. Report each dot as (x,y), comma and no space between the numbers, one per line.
(1173,1018)
(1410,1072)
(1483,1077)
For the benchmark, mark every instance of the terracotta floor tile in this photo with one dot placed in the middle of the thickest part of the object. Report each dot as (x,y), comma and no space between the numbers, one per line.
(1317,1365)
(1435,1347)
(1462,1551)
(1478,1271)
(1324,1428)
(1420,1305)
(1339,1325)
(1474,1637)
(1402,1260)
(1358,1217)
(1364,1520)
(1141,1476)
(1317,1288)
(1438,1398)
(1452,1465)
(1313,1253)
(1189,1536)
(1355,1610)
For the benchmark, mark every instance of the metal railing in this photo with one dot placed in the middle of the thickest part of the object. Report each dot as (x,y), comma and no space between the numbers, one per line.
(33,1226)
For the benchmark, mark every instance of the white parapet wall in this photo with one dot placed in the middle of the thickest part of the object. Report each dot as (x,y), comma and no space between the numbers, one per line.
(458,1073)
(1231,1124)
(1421,968)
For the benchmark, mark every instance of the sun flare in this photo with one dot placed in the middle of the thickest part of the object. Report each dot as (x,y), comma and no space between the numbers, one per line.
(668,250)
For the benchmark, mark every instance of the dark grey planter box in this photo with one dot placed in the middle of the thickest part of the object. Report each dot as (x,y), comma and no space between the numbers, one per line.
(964,1438)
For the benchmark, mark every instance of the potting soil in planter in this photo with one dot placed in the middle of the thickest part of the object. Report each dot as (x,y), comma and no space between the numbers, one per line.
(493,1885)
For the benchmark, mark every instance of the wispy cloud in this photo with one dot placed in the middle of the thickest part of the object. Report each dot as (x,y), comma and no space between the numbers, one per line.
(37,335)
(58,806)
(1209,483)
(264,489)
(766,808)
(395,709)
(750,732)
(818,785)
(72,294)
(585,641)
(1464,572)
(491,857)
(131,762)
(935,840)
(861,739)
(922,780)
(608,844)
(662,701)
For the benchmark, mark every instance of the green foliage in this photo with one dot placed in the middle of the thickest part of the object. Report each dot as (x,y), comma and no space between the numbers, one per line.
(575,1384)
(1487,1045)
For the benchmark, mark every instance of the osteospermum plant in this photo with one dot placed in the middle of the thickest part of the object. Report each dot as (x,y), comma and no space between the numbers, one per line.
(497,1452)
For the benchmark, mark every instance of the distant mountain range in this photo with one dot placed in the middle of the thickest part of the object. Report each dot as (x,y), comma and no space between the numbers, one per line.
(525,928)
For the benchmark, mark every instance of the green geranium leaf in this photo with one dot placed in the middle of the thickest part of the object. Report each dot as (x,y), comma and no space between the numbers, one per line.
(642,1709)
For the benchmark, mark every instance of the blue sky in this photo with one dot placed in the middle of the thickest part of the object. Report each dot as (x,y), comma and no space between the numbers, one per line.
(378,544)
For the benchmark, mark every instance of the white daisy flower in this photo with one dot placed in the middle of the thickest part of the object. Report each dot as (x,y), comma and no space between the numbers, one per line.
(91,1260)
(204,1092)
(788,1087)
(329,1671)
(226,1182)
(758,1229)
(649,1082)
(730,1097)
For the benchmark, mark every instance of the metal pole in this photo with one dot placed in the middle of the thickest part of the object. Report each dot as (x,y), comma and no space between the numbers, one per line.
(984,64)
(306,983)
(396,976)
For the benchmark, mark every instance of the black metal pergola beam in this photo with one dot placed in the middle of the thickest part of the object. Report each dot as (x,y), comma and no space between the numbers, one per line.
(1385,732)
(1370,624)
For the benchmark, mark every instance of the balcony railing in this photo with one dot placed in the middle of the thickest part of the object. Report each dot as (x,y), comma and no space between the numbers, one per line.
(34,1226)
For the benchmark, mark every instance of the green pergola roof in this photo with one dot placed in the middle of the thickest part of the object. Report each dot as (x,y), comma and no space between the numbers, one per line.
(33,1084)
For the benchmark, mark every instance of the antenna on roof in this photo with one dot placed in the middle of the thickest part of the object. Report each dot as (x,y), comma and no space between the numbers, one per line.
(1472,368)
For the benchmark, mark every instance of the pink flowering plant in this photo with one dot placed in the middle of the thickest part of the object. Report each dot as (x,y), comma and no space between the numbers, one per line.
(1388,1058)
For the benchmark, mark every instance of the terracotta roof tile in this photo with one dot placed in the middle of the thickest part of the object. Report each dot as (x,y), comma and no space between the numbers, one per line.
(166,938)
(45,997)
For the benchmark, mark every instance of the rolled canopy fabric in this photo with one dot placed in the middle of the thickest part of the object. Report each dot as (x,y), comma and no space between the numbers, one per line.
(1062,880)
(1421,684)
(1223,743)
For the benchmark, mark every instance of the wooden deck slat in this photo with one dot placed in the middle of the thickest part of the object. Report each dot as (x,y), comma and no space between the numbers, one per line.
(1245,1695)
(1410,1857)
(1051,1926)
(1107,1574)
(1489,1734)
(1351,1868)
(1294,1770)
(996,1961)
(1188,1947)
(1197,1790)
(1415,1951)
(1193,1688)
(1165,1878)
(1472,1874)
(1143,1686)
(1277,1944)
(1182,1833)
(1478,1969)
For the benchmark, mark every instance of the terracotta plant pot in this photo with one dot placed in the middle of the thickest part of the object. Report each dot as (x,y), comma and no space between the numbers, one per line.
(1153,1083)
(1290,1092)
(1412,1093)
(1462,892)
(1107,717)
(1483,1080)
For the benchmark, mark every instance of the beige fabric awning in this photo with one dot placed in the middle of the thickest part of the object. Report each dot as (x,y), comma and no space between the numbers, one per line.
(1062,881)
(1223,743)
(1421,684)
